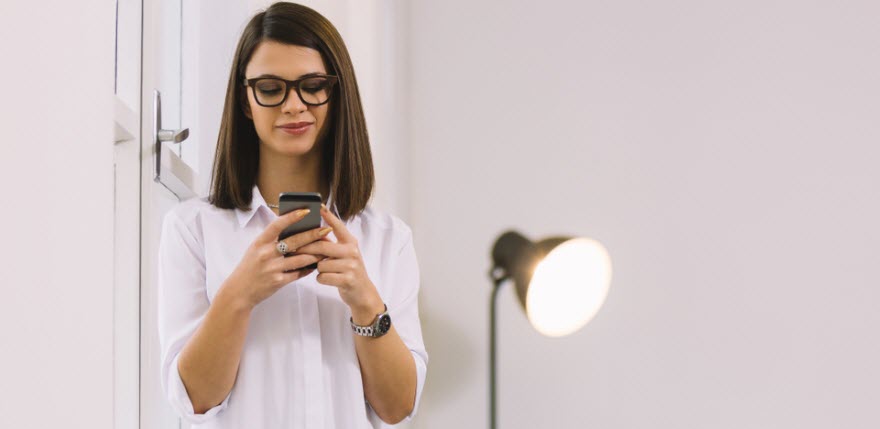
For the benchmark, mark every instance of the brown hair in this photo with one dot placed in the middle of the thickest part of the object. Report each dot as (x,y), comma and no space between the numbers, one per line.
(346,163)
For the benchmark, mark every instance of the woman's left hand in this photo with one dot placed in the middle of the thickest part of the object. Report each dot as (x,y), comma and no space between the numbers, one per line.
(344,268)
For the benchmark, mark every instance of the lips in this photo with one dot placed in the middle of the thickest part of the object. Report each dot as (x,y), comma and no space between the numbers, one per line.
(293,125)
(296,131)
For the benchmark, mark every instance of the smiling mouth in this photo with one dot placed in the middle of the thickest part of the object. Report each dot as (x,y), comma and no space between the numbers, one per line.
(297,125)
(296,130)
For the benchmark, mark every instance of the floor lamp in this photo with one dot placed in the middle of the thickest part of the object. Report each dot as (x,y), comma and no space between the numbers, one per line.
(560,281)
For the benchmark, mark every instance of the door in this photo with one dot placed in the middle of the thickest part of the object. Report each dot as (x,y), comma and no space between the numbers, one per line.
(169,172)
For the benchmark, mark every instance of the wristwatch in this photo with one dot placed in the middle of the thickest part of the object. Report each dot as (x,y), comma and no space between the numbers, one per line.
(380,326)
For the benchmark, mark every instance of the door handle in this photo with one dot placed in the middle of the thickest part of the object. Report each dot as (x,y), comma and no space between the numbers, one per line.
(175,136)
(171,171)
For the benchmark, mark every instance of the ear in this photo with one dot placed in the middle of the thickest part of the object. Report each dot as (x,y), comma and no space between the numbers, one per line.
(245,104)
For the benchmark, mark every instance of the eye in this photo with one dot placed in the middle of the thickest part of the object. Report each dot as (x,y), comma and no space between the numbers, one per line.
(269,87)
(314,85)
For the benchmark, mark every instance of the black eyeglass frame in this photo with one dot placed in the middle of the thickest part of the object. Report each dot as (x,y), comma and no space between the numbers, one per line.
(332,80)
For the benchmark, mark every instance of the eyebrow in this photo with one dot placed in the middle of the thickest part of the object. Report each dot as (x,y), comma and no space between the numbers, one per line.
(279,77)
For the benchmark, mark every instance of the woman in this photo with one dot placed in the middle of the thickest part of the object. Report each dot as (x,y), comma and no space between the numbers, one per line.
(246,342)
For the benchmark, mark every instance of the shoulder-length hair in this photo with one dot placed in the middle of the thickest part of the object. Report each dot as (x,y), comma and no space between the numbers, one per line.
(347,163)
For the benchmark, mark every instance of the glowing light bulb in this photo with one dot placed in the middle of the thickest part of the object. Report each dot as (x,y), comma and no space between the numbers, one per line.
(568,287)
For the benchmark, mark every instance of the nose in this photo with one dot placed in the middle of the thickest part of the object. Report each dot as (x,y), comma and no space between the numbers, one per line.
(293,103)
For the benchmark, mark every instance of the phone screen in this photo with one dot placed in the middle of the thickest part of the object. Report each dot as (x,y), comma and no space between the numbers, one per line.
(290,201)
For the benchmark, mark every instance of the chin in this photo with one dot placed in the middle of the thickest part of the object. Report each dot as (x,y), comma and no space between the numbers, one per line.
(289,148)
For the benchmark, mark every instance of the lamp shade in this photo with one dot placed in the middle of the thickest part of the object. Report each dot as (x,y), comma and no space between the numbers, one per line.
(561,282)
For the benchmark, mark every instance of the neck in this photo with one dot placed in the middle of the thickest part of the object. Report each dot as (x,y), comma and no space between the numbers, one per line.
(279,174)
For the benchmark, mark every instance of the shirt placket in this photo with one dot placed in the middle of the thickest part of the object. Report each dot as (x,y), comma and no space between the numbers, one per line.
(312,360)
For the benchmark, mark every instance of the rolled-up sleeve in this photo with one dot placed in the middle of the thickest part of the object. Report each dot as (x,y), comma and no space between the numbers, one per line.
(404,309)
(183,303)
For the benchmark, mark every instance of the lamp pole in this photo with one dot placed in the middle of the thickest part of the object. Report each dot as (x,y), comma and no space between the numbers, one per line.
(498,278)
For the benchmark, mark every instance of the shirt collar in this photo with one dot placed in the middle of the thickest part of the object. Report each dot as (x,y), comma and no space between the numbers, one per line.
(257,201)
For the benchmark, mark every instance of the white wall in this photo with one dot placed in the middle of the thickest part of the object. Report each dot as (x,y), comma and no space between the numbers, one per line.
(726,154)
(56,173)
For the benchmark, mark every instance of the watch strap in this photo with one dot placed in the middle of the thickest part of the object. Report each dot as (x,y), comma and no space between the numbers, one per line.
(370,330)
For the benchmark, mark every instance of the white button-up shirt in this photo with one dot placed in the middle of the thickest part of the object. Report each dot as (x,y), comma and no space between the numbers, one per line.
(299,366)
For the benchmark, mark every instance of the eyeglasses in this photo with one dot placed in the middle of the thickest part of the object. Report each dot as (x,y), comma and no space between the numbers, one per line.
(313,90)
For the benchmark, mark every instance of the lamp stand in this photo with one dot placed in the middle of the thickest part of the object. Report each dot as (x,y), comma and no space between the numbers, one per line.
(497,280)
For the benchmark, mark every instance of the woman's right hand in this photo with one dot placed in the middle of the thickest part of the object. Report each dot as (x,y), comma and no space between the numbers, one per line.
(261,271)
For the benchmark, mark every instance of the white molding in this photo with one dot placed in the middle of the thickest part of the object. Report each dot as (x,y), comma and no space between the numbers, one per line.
(126,217)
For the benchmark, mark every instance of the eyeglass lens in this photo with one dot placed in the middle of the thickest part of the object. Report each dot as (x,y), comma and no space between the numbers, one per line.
(271,92)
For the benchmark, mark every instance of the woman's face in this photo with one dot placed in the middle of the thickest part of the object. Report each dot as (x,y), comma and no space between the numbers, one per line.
(288,62)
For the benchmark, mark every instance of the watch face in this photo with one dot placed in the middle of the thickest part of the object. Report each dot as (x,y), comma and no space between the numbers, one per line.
(384,324)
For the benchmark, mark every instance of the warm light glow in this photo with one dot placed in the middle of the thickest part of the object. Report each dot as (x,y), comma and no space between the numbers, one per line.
(568,287)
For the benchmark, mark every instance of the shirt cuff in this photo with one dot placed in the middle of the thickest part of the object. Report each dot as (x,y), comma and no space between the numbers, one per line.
(421,372)
(180,398)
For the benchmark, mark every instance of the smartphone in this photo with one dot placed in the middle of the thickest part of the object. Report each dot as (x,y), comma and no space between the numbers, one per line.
(290,201)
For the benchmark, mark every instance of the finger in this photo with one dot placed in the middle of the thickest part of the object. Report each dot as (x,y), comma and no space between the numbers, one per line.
(299,260)
(296,275)
(298,240)
(271,233)
(331,279)
(339,228)
(330,249)
(326,248)
(336,265)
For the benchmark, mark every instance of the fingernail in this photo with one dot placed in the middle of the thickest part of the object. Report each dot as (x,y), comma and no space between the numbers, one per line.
(302,212)
(325,231)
